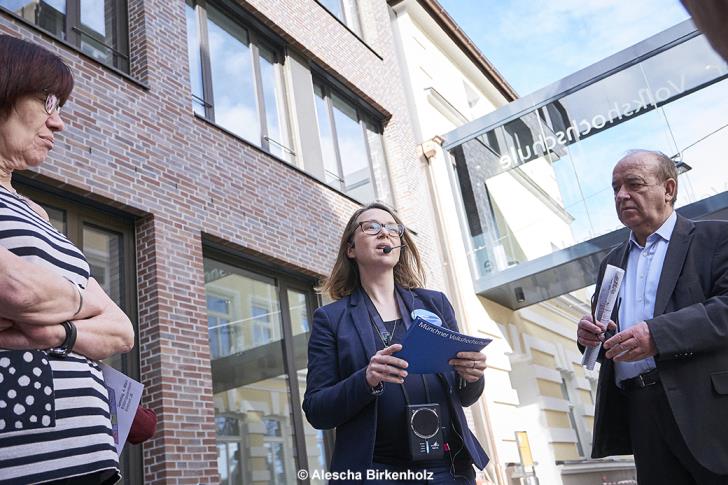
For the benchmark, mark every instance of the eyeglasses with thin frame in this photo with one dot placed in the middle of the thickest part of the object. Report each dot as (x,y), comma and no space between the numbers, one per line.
(52,104)
(373,228)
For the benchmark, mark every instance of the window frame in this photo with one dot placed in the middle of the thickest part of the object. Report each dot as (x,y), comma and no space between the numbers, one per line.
(363,117)
(256,39)
(74,31)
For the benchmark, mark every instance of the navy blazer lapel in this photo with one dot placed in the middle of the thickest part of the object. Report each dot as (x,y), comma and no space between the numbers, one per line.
(360,318)
(677,250)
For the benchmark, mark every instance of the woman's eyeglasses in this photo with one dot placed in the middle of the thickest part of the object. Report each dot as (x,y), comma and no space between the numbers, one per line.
(373,228)
(52,104)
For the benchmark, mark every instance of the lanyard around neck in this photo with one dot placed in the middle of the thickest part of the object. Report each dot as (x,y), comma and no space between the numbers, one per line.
(376,319)
(384,335)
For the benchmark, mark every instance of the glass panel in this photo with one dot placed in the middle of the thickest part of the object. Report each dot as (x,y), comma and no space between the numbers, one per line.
(103,251)
(94,15)
(331,167)
(276,463)
(333,6)
(228,463)
(57,218)
(232,77)
(222,464)
(220,330)
(314,438)
(379,164)
(542,182)
(250,384)
(298,311)
(193,55)
(700,127)
(99,36)
(49,15)
(353,150)
(274,104)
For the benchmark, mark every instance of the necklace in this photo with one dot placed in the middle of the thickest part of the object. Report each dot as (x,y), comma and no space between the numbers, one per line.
(388,340)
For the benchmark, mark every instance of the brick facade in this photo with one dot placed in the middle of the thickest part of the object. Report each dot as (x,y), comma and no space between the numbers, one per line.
(133,142)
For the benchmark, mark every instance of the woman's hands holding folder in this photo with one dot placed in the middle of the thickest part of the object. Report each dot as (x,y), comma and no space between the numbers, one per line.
(469,365)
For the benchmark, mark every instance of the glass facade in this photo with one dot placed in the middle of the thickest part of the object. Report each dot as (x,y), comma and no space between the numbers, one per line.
(258,328)
(535,176)
(98,28)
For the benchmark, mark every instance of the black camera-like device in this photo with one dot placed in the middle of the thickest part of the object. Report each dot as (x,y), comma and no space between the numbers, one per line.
(424,432)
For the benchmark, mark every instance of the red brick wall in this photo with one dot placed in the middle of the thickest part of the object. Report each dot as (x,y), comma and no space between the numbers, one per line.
(139,147)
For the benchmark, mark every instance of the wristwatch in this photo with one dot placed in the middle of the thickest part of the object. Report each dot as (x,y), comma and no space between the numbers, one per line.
(67,345)
(378,389)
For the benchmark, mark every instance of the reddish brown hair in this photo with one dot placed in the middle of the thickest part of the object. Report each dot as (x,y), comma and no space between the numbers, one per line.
(29,69)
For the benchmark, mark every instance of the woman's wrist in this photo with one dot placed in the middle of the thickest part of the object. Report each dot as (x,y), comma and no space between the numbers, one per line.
(79,299)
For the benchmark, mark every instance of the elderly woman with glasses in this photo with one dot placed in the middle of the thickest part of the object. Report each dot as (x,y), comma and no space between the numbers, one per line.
(355,381)
(55,319)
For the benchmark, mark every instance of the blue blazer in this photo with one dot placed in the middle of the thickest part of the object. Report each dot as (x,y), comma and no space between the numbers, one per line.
(337,394)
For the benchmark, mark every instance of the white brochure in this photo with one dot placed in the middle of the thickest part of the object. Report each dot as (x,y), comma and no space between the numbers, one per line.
(608,293)
(124,396)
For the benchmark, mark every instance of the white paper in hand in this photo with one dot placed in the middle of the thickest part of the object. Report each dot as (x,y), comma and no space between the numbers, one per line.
(608,293)
(124,396)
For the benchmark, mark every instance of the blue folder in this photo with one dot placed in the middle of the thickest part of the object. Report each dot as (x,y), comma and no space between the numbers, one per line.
(427,348)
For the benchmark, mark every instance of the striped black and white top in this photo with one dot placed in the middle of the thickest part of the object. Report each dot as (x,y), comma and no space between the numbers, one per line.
(54,413)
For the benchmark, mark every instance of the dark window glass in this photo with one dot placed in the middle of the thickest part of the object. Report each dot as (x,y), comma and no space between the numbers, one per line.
(98,28)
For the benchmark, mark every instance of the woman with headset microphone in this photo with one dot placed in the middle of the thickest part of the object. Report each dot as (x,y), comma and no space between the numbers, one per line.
(357,384)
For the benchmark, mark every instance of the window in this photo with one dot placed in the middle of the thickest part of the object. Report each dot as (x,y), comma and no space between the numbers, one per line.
(98,28)
(236,78)
(345,10)
(262,434)
(352,148)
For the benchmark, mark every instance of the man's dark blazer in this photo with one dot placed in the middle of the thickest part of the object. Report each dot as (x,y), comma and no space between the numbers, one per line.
(337,394)
(690,331)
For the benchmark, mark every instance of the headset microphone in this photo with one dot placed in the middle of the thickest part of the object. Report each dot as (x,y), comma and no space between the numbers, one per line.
(389,249)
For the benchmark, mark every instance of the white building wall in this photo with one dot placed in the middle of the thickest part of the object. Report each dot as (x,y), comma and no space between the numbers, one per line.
(438,73)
